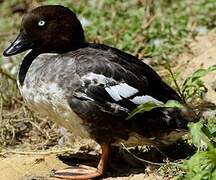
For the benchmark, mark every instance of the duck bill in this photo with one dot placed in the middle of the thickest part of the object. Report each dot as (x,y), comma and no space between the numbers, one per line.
(21,43)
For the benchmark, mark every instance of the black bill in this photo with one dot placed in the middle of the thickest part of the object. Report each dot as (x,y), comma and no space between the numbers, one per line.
(21,43)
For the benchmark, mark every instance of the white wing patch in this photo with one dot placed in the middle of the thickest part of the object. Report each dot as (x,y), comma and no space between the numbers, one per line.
(97,78)
(113,93)
(121,90)
(117,91)
(144,99)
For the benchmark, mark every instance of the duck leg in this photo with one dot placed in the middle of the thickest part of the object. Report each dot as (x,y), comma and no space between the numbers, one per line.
(86,172)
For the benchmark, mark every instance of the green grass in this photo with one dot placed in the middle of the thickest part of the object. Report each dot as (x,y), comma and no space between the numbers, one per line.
(201,165)
(125,24)
(128,25)
(161,30)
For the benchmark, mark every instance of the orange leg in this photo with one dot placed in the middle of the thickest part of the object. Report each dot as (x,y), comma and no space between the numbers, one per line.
(83,171)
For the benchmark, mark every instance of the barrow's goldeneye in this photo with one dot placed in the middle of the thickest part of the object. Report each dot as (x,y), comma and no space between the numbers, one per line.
(91,88)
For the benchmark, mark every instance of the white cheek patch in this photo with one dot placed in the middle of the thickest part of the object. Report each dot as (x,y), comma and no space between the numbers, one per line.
(144,99)
(121,90)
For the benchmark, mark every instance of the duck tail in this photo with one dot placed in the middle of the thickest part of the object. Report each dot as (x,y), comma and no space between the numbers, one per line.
(189,114)
(164,119)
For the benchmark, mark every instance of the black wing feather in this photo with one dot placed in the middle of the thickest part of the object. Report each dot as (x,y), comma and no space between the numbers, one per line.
(121,68)
(107,116)
(157,88)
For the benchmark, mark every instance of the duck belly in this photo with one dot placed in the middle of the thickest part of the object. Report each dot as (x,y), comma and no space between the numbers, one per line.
(50,100)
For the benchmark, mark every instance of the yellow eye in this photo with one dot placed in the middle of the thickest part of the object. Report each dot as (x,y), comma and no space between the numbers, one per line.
(41,23)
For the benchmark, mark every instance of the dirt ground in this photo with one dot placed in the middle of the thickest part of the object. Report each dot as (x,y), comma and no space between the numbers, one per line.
(40,167)
(28,166)
(201,53)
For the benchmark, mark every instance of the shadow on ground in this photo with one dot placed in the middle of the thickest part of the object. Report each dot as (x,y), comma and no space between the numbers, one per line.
(122,163)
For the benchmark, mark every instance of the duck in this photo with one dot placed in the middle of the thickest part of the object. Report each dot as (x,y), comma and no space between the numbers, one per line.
(90,89)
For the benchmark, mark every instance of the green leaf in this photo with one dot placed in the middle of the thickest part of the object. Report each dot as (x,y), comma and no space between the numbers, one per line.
(207,132)
(143,108)
(173,104)
(201,136)
(214,134)
(193,87)
(201,165)
(152,105)
(195,77)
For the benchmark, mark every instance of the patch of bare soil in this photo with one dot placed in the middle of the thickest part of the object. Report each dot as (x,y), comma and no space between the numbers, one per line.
(26,166)
(40,167)
(201,53)
(17,167)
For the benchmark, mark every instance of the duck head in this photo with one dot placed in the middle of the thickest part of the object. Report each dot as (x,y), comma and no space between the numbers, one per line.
(48,29)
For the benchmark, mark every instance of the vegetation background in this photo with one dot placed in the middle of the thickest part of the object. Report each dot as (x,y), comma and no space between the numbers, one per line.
(177,38)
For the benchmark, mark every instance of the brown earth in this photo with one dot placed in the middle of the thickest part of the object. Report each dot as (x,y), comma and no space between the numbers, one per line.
(201,53)
(28,166)
(39,167)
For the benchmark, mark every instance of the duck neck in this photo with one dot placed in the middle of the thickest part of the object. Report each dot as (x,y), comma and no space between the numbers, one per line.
(73,47)
(29,58)
(24,66)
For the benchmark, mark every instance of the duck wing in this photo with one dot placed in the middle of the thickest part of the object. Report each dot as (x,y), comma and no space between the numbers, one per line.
(111,76)
(113,83)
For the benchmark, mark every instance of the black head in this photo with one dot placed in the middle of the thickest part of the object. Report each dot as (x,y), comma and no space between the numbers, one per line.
(47,29)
